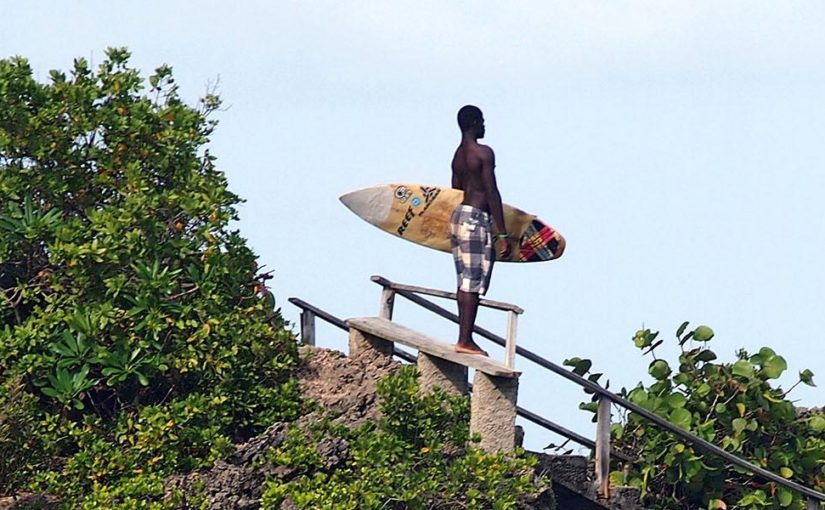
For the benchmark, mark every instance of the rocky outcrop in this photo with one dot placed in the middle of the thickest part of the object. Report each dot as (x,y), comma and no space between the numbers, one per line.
(340,386)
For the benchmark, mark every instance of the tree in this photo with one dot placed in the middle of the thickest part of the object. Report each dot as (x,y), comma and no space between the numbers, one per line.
(131,311)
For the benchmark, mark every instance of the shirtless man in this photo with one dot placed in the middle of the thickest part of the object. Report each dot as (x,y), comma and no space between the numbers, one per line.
(471,225)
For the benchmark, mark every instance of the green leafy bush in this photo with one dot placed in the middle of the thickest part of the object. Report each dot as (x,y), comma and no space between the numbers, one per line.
(23,449)
(133,317)
(734,405)
(416,457)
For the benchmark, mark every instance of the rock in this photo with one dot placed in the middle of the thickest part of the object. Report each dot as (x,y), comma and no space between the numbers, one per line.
(341,387)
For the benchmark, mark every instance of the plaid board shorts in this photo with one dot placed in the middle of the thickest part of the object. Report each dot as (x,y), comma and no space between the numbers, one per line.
(472,245)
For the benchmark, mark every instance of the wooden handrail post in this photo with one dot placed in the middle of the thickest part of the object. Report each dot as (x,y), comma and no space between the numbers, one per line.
(510,345)
(308,327)
(813,504)
(387,303)
(603,447)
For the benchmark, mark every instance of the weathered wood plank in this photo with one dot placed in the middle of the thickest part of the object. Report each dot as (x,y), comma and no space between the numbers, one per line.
(387,303)
(308,327)
(510,346)
(603,448)
(399,334)
(489,303)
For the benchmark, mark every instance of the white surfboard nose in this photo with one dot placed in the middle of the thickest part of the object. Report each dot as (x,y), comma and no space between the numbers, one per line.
(371,204)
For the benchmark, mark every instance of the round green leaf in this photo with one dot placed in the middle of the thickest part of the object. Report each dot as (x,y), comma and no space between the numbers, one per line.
(743,368)
(702,334)
(818,423)
(659,369)
(784,496)
(739,425)
(676,400)
(774,366)
(681,417)
(702,390)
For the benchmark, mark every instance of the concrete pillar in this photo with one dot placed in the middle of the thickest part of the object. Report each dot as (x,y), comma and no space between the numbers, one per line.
(435,371)
(365,345)
(493,411)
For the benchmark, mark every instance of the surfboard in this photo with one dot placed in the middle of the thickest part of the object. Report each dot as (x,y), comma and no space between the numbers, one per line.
(421,214)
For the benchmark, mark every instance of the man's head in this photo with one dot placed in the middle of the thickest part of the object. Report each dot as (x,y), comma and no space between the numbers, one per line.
(470,120)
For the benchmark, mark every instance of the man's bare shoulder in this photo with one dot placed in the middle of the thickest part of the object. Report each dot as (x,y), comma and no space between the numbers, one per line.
(484,152)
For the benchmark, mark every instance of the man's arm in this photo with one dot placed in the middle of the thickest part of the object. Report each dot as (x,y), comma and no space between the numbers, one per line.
(488,181)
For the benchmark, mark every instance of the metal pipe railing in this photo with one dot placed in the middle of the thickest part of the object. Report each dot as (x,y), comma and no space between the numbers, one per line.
(520,411)
(813,497)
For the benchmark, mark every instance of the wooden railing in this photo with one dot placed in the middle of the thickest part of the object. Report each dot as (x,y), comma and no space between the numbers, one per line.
(605,398)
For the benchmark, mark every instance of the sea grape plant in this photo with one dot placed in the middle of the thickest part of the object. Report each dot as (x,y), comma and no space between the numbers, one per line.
(736,405)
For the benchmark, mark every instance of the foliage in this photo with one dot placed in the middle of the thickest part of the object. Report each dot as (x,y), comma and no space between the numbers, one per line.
(21,443)
(734,405)
(415,457)
(133,319)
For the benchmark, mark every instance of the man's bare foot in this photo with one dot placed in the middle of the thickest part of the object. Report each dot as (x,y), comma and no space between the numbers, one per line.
(470,348)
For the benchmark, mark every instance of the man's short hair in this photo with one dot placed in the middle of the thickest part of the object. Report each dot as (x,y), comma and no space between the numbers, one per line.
(468,116)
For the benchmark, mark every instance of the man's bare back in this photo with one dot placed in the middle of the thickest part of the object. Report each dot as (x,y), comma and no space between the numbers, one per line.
(468,164)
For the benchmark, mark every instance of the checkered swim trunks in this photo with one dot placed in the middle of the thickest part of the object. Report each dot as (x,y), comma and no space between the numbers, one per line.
(472,243)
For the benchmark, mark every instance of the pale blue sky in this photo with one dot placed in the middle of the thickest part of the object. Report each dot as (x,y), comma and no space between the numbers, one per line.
(678,146)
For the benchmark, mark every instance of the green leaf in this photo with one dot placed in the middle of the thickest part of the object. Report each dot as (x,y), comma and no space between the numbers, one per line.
(784,496)
(786,472)
(49,391)
(807,377)
(580,366)
(702,334)
(659,369)
(618,478)
(681,329)
(817,423)
(741,408)
(589,406)
(739,425)
(770,397)
(676,400)
(681,417)
(774,366)
(638,396)
(743,368)
(706,355)
(766,352)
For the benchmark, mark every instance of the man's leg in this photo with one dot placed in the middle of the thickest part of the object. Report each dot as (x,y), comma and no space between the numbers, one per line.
(467,311)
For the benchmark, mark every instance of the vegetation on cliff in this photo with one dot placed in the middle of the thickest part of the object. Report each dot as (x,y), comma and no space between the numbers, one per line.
(735,405)
(137,340)
(418,455)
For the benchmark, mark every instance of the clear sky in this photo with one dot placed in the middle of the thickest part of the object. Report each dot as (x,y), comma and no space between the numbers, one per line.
(678,146)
